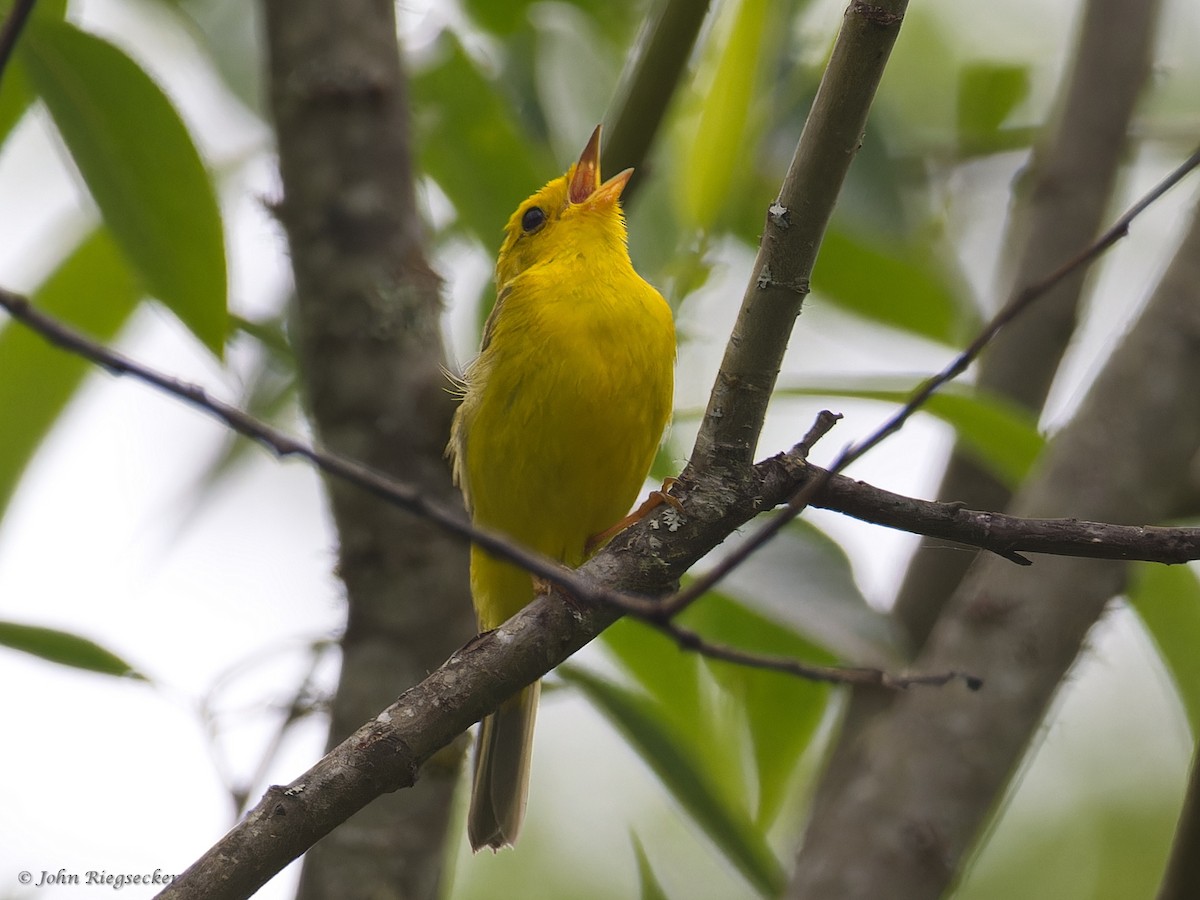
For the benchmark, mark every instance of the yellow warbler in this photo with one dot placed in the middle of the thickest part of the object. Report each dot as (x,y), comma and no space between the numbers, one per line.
(561,415)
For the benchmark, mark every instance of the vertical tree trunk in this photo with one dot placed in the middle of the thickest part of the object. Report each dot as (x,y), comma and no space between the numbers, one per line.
(370,357)
(1059,208)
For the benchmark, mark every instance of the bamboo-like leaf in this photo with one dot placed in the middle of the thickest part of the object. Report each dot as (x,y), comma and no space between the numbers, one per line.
(650,888)
(141,167)
(781,711)
(638,718)
(1167,598)
(988,92)
(795,599)
(16,96)
(94,290)
(715,155)
(664,672)
(66,649)
(895,284)
(690,705)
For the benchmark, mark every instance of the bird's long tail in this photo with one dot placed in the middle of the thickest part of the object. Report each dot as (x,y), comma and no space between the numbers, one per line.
(501,783)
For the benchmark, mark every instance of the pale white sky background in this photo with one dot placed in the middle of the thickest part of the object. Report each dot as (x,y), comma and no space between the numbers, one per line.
(112,775)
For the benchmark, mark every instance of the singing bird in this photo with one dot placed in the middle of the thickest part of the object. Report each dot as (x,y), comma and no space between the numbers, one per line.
(561,415)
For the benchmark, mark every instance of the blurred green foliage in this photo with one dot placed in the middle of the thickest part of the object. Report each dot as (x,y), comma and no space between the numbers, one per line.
(1167,598)
(65,649)
(141,167)
(648,881)
(37,380)
(503,94)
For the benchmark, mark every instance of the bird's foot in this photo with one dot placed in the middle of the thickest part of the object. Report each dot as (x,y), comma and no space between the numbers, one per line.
(656,499)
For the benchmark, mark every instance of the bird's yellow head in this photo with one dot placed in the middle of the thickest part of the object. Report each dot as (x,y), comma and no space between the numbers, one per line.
(574,214)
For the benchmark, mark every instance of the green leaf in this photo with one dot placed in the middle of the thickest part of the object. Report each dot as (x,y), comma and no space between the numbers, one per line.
(803,581)
(995,432)
(672,677)
(638,718)
(897,285)
(142,169)
(714,157)
(66,649)
(469,145)
(782,712)
(94,290)
(690,703)
(988,92)
(796,599)
(16,96)
(650,888)
(46,9)
(1167,598)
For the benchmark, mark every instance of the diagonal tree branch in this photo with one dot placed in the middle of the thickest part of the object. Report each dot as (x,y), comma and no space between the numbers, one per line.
(386,753)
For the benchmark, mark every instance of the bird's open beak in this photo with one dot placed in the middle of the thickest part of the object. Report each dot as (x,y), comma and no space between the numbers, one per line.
(585,182)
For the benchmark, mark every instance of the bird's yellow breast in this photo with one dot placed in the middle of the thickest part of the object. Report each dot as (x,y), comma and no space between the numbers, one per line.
(562,414)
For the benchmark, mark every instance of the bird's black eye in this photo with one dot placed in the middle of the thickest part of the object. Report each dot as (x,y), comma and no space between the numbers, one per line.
(533,219)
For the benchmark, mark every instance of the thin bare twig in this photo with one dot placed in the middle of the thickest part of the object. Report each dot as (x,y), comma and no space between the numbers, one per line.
(860,676)
(820,427)
(786,475)
(299,706)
